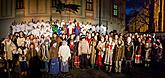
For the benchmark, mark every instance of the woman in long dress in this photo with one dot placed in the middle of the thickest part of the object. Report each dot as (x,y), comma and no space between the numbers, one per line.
(109,54)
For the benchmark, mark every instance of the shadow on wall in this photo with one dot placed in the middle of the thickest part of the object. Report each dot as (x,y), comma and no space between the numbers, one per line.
(4,27)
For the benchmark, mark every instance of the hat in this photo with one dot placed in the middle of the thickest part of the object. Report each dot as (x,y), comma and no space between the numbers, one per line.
(64,43)
(83,36)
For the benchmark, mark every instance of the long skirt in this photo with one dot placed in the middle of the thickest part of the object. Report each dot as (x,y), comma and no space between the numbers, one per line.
(99,61)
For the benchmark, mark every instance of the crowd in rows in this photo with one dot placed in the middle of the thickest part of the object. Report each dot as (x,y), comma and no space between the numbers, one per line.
(80,46)
(38,28)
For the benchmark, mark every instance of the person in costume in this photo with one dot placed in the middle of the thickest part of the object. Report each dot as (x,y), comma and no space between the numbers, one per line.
(55,27)
(21,39)
(129,54)
(64,54)
(119,55)
(148,49)
(138,51)
(101,50)
(70,29)
(110,45)
(83,49)
(93,46)
(54,50)
(77,29)
(22,59)
(9,47)
(159,50)
(71,45)
(76,56)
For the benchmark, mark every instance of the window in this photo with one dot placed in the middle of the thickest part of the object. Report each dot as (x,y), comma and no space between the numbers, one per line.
(55,2)
(115,10)
(19,4)
(89,5)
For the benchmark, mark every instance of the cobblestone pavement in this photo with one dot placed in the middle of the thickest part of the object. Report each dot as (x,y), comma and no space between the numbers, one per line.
(138,72)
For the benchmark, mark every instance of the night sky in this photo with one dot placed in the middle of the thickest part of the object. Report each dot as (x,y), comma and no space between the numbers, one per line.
(133,6)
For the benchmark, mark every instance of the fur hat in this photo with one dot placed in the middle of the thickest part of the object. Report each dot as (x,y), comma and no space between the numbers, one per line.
(83,36)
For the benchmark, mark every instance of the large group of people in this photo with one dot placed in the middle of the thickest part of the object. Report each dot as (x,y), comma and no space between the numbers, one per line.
(78,45)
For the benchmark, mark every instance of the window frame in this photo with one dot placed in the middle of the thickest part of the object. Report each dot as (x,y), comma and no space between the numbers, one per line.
(54,3)
(20,4)
(115,8)
(89,5)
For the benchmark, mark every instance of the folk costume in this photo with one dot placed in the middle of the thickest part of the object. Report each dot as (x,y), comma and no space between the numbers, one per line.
(83,49)
(129,54)
(22,58)
(159,51)
(148,51)
(9,47)
(138,52)
(71,45)
(93,46)
(64,54)
(54,50)
(110,45)
(119,55)
(76,56)
(44,56)
(101,50)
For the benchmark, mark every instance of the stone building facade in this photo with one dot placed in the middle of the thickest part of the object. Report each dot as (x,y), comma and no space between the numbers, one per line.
(112,12)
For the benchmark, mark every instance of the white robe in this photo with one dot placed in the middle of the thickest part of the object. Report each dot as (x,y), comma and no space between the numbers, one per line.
(35,25)
(93,28)
(13,29)
(64,53)
(17,28)
(62,24)
(70,27)
(104,30)
(35,32)
(97,28)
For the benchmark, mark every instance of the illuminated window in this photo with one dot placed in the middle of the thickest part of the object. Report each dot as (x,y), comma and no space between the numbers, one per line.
(19,4)
(115,10)
(89,5)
